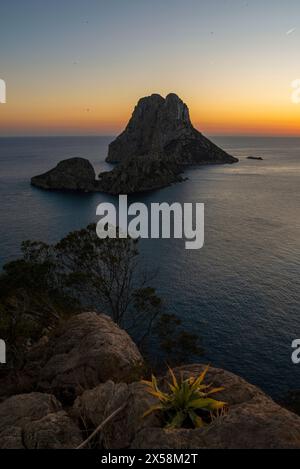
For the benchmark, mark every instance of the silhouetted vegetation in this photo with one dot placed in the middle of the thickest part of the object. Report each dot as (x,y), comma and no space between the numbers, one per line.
(177,344)
(49,283)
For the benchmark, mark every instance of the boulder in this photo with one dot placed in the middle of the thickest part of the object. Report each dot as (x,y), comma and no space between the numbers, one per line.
(253,420)
(86,350)
(17,410)
(291,401)
(95,405)
(163,126)
(74,174)
(36,420)
(54,431)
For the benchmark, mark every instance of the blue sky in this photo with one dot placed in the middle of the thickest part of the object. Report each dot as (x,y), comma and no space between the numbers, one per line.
(68,55)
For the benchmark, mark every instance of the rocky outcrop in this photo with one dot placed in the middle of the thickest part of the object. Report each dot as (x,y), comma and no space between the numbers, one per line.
(92,359)
(291,401)
(139,175)
(54,431)
(74,174)
(97,404)
(86,350)
(36,421)
(163,126)
(158,142)
(131,176)
(253,419)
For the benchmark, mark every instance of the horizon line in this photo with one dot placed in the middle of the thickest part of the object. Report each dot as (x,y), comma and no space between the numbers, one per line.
(115,135)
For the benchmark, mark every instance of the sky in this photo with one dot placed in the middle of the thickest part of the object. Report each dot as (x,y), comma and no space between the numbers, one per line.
(78,67)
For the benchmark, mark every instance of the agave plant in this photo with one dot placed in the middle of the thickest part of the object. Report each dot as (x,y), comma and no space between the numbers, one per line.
(188,401)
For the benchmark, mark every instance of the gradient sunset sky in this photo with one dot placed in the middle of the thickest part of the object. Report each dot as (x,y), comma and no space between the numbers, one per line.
(76,67)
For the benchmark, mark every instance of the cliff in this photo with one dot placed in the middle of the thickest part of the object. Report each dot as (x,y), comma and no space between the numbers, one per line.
(88,368)
(163,126)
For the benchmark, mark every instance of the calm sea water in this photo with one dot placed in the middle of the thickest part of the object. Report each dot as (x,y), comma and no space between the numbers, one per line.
(241,292)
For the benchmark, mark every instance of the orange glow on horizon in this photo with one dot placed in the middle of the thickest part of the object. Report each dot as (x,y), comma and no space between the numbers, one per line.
(109,117)
(234,66)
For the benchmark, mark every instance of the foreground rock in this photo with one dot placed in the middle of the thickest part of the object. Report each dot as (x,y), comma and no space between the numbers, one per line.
(36,421)
(91,359)
(163,126)
(292,401)
(75,174)
(97,404)
(253,420)
(87,350)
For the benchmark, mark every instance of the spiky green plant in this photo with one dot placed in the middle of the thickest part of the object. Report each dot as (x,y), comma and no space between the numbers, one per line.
(188,401)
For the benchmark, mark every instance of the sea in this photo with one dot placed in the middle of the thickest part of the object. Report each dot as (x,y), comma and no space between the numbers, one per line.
(241,292)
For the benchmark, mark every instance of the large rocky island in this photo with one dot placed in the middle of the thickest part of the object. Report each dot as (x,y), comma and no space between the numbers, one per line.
(163,126)
(157,144)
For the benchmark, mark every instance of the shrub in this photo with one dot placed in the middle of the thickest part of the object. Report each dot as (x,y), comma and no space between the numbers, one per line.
(188,402)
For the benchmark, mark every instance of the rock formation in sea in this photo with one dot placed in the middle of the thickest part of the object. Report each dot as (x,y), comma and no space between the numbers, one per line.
(145,173)
(88,368)
(131,176)
(76,174)
(157,144)
(163,126)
